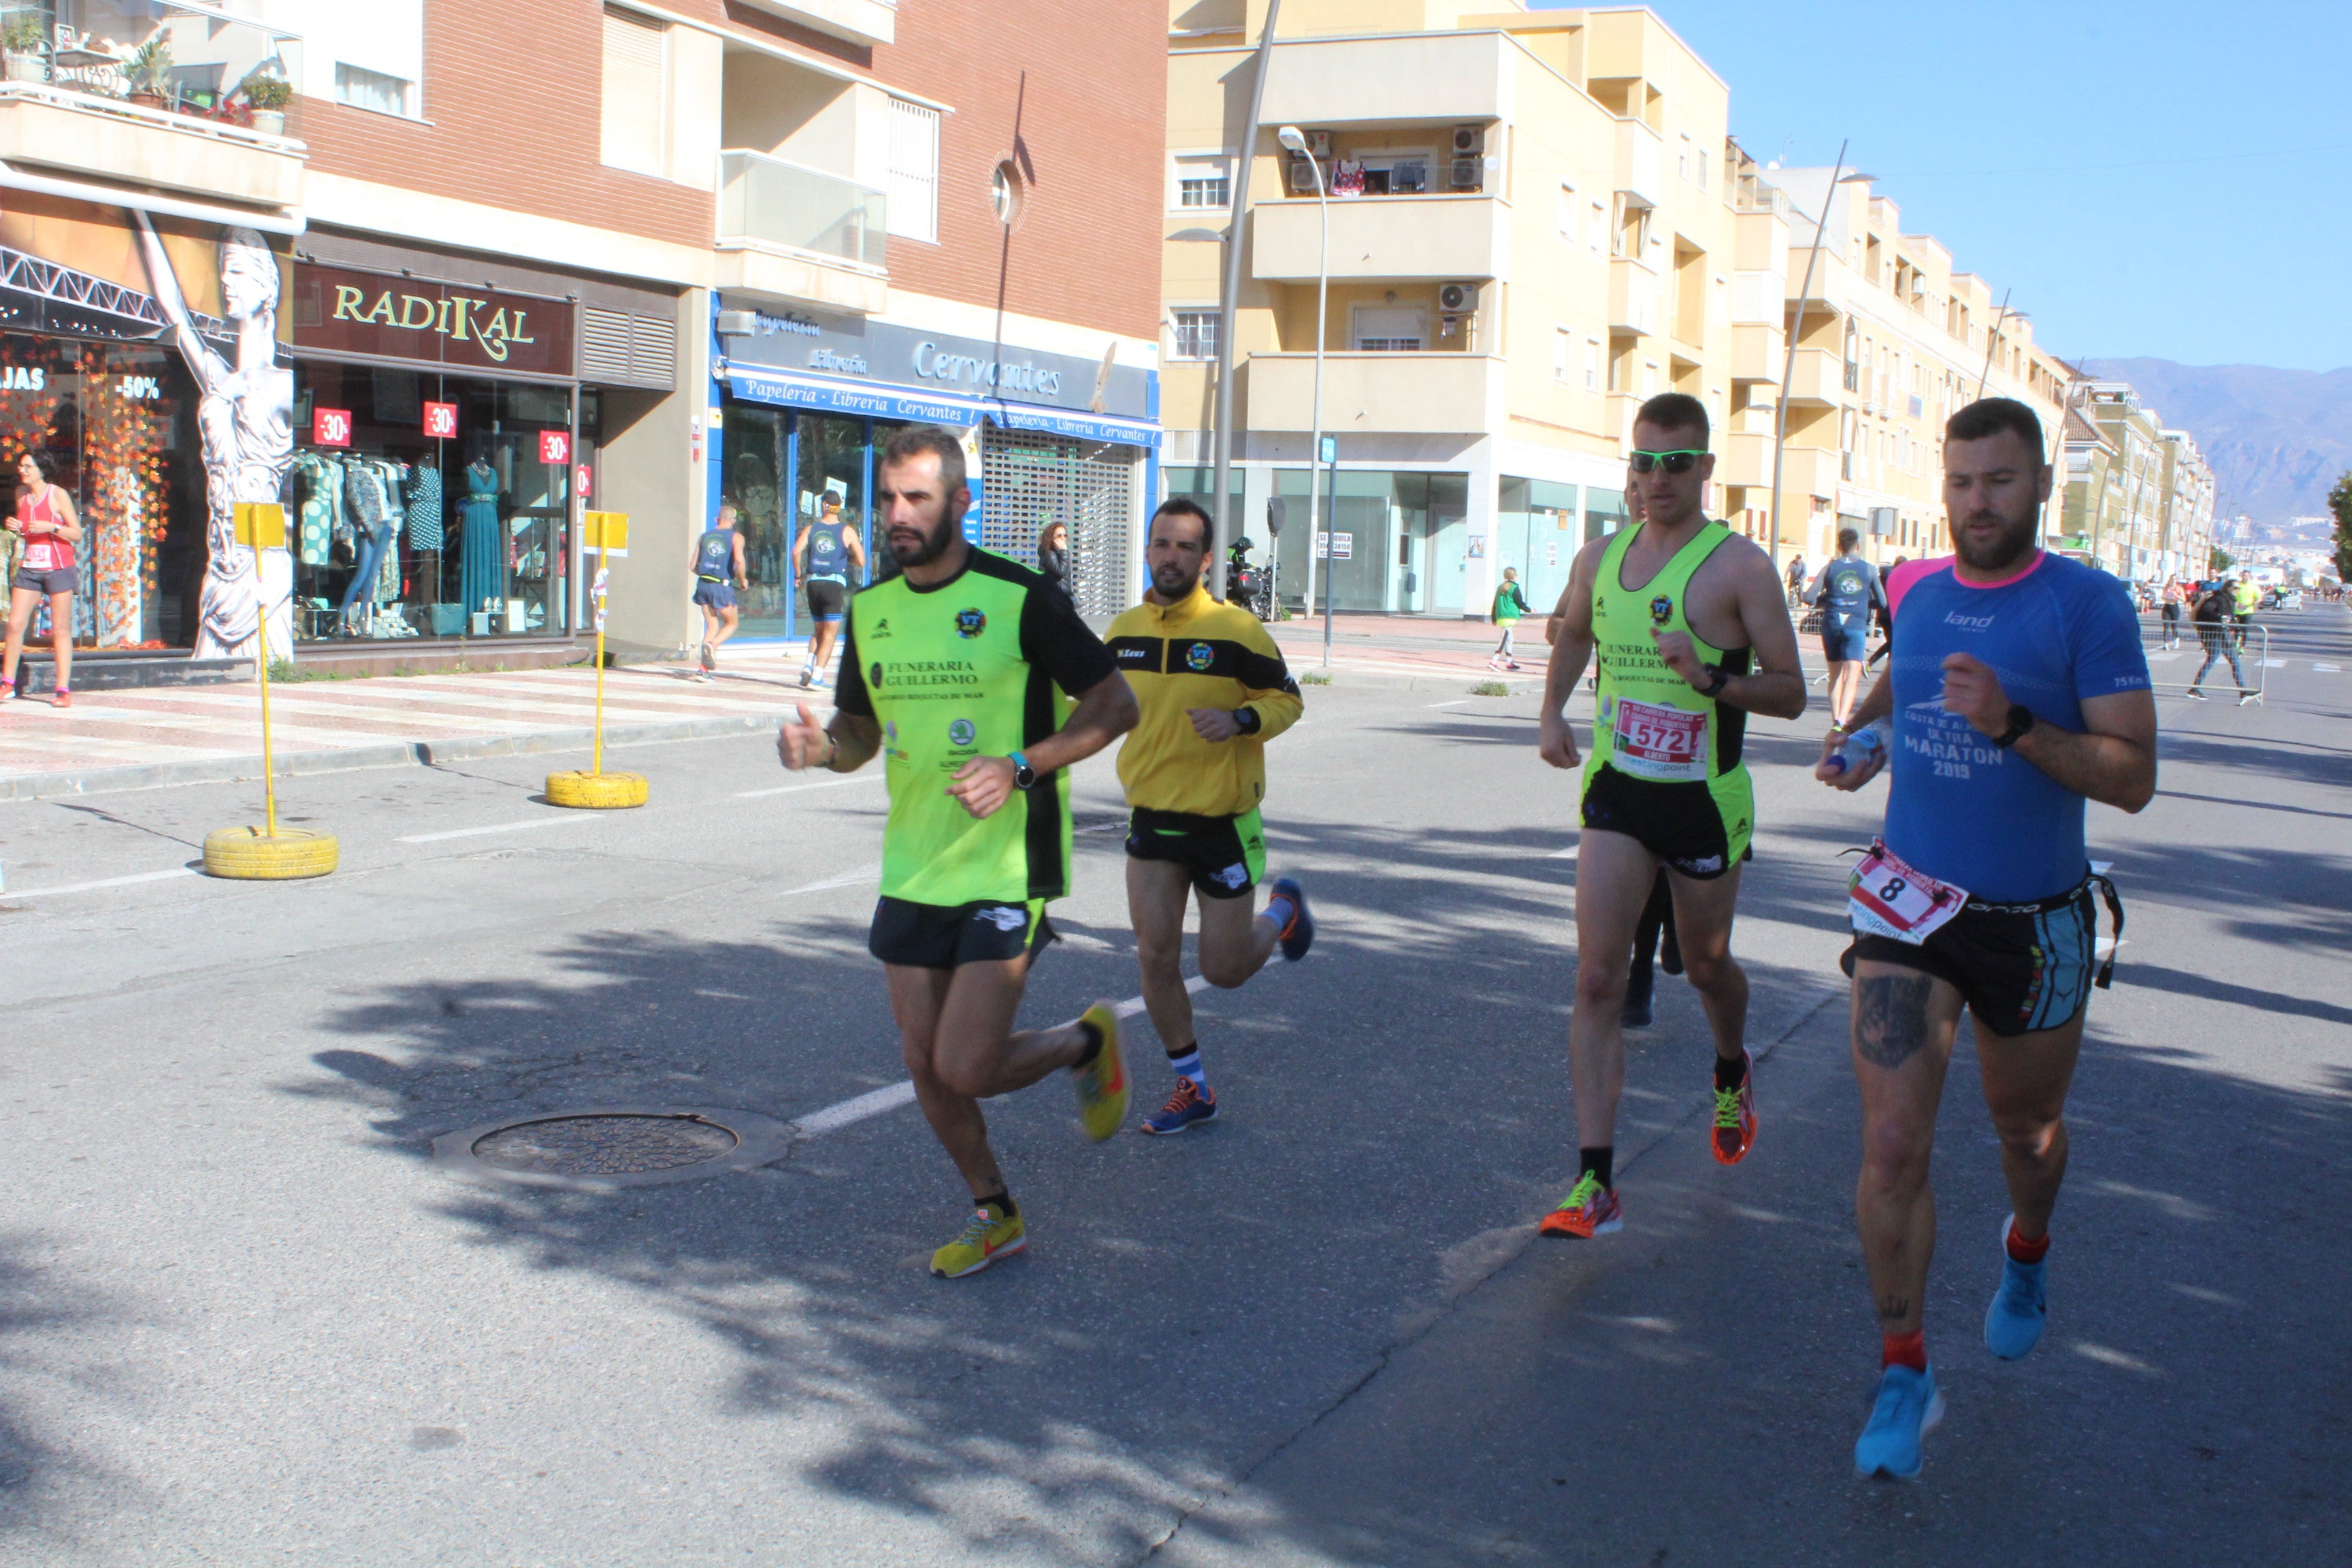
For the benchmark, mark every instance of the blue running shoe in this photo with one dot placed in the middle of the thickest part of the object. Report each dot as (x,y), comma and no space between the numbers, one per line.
(1299,935)
(1908,1407)
(2021,1307)
(1189,1107)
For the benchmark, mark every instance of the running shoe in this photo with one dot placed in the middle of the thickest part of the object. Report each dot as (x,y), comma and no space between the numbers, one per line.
(708,662)
(1908,1407)
(808,677)
(2021,1307)
(62,699)
(1589,1210)
(987,1236)
(1299,934)
(1189,1107)
(1102,1082)
(2194,695)
(1735,1118)
(1640,987)
(2244,698)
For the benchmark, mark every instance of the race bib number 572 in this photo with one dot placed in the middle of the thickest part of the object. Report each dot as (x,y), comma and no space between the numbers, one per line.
(1653,741)
(1888,897)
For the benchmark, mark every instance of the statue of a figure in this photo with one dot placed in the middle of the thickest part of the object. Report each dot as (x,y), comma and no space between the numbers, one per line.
(246,415)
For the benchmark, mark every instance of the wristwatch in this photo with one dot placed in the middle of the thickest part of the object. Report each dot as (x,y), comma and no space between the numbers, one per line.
(1023,775)
(1245,720)
(1720,678)
(2021,720)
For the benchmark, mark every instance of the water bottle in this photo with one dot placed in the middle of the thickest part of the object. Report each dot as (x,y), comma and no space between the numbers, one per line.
(1859,749)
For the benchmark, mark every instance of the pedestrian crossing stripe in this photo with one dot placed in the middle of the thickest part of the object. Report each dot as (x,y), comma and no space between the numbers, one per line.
(2329,669)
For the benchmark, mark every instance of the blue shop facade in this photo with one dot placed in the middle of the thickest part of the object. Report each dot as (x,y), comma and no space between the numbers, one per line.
(804,402)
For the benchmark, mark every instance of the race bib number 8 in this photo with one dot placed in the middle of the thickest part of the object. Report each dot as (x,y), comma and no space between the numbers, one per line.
(1888,897)
(1654,743)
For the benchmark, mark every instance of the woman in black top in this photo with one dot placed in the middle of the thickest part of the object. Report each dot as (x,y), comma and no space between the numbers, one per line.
(1054,555)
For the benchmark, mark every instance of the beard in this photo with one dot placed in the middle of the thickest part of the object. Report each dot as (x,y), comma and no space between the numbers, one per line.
(927,546)
(2010,547)
(1174,581)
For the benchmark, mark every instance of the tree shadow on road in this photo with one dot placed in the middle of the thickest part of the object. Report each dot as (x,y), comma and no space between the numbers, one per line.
(42,1467)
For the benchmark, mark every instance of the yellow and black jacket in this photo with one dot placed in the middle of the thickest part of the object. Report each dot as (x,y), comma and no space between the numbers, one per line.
(1199,653)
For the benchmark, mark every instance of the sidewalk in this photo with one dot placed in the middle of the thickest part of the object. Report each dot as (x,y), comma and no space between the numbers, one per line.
(141,736)
(1409,650)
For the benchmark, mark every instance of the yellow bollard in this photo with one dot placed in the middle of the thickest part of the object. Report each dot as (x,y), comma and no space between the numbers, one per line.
(267,854)
(596,790)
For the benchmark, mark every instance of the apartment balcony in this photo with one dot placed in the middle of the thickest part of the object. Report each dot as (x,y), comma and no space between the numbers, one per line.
(154,94)
(1745,457)
(1621,408)
(1757,353)
(1806,471)
(1633,297)
(1641,163)
(865,22)
(1441,78)
(1426,393)
(1817,380)
(799,235)
(1383,238)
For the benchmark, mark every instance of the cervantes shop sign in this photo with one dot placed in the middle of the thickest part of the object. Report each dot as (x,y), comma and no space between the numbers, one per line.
(341,311)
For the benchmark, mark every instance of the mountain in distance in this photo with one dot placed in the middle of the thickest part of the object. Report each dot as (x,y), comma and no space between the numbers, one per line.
(2278,439)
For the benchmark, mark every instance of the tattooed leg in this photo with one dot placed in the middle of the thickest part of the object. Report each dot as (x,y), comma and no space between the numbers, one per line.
(1904,1023)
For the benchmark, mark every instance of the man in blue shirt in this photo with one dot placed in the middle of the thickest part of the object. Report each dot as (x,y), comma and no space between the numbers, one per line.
(2017,691)
(1847,590)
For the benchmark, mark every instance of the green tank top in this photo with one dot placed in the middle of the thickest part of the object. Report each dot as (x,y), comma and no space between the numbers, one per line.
(1651,723)
(947,679)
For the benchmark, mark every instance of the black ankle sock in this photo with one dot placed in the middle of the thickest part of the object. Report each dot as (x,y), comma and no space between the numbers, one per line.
(1730,1074)
(1001,1199)
(1601,1162)
(1093,1032)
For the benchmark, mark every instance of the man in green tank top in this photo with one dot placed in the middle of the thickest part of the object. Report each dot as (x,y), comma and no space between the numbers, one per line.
(1683,612)
(961,670)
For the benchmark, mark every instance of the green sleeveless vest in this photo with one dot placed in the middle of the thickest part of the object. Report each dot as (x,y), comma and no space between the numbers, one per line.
(1651,725)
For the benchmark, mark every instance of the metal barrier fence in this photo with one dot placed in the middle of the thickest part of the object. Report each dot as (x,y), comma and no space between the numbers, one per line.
(2200,650)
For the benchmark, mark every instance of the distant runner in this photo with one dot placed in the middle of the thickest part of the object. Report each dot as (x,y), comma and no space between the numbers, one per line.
(2210,616)
(2018,689)
(718,573)
(1679,609)
(1213,691)
(824,556)
(1847,591)
(956,669)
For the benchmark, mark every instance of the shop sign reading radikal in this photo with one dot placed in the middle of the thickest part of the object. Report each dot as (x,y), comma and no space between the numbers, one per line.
(338,310)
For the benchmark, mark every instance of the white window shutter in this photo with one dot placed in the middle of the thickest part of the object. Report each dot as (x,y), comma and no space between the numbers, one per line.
(913,198)
(636,93)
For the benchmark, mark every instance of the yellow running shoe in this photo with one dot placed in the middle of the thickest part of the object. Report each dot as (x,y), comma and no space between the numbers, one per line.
(989,1236)
(1102,1082)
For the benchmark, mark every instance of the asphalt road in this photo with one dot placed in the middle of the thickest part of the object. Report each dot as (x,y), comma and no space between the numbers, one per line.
(246,1320)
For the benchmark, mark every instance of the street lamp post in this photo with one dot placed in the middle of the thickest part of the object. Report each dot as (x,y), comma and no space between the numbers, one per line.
(1317,536)
(1838,176)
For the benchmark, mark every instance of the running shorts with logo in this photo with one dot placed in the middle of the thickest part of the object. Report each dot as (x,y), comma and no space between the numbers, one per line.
(1665,768)
(1975,816)
(1225,855)
(978,666)
(942,936)
(714,594)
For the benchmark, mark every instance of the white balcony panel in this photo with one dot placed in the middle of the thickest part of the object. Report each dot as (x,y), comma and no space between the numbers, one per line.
(1400,238)
(854,21)
(1408,394)
(1755,353)
(1640,162)
(1428,76)
(1744,457)
(1817,380)
(81,135)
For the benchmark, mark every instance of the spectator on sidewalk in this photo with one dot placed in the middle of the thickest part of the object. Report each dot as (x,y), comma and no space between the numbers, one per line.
(1510,609)
(1054,556)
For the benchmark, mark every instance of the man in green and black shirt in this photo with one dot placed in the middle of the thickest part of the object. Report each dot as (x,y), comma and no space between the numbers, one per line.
(961,670)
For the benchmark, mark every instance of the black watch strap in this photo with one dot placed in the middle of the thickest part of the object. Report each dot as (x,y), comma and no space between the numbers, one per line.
(2021,720)
(1718,679)
(1246,721)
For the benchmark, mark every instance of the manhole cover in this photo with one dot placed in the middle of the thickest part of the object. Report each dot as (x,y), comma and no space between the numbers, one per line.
(605,1145)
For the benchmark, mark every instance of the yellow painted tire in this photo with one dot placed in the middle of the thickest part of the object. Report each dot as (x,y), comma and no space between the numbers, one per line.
(596,792)
(251,854)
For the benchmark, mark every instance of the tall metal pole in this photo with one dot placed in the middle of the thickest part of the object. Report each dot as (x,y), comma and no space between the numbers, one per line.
(1788,362)
(1228,302)
(1993,340)
(1317,536)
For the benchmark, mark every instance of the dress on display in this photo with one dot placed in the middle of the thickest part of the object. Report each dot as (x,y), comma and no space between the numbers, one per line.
(484,575)
(425,509)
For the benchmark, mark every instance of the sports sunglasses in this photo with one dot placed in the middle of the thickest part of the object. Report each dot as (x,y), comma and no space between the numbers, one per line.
(1673,462)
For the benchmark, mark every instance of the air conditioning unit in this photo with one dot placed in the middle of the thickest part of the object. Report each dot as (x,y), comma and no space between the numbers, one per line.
(1457,298)
(1469,174)
(1303,176)
(1318,145)
(1469,140)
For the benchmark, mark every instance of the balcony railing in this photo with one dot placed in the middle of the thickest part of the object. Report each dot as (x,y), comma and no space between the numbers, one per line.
(767,201)
(168,56)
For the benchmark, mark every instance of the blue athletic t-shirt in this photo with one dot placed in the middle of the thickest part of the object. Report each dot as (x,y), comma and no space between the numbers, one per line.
(1959,808)
(1848,586)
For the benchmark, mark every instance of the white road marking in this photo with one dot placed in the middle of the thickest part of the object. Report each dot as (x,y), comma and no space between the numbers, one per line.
(795,789)
(2163,657)
(1566,854)
(103,882)
(2329,669)
(847,879)
(1455,703)
(2274,664)
(502,828)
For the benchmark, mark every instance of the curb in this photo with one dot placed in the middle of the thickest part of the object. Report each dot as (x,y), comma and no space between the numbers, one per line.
(1459,682)
(390,754)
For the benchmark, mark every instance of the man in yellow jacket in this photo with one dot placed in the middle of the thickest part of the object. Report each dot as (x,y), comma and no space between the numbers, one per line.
(1213,690)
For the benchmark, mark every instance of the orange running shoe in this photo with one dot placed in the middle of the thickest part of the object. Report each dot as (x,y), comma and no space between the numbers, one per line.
(1735,1117)
(1589,1210)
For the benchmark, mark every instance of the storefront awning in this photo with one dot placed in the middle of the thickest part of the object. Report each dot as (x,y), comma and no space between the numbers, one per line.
(873,401)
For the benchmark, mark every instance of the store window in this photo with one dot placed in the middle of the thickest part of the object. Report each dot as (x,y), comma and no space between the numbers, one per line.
(1535,532)
(423,505)
(1399,542)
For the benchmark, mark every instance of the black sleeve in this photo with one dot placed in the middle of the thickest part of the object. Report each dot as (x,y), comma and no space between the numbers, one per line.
(849,693)
(1053,637)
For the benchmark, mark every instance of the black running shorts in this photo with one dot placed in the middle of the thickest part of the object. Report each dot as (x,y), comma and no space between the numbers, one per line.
(942,936)
(1225,855)
(826,598)
(2020,968)
(1700,829)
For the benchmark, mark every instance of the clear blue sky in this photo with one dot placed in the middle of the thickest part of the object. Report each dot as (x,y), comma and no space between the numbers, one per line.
(2157,178)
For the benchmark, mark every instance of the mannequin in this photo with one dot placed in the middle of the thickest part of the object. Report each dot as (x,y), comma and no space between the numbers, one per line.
(484,571)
